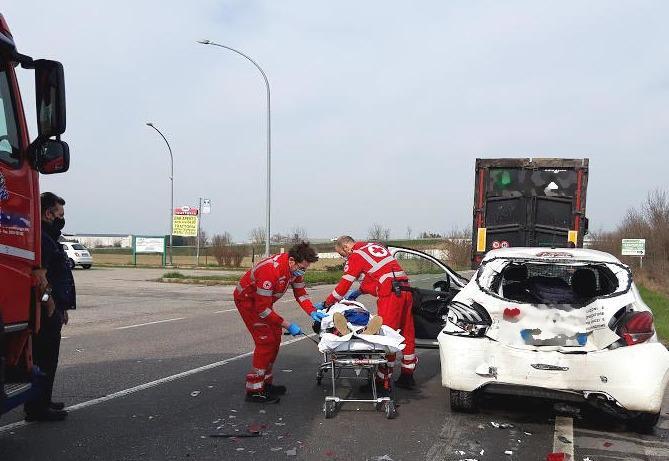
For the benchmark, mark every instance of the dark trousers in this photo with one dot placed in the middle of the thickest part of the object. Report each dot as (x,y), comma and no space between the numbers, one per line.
(46,349)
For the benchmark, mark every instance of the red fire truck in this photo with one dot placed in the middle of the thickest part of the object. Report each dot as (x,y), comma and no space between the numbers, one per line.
(21,161)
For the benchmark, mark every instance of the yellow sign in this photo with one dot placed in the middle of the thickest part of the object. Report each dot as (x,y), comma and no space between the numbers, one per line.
(184,225)
(481,239)
(573,237)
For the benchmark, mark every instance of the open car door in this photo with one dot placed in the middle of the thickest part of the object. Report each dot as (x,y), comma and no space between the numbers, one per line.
(433,284)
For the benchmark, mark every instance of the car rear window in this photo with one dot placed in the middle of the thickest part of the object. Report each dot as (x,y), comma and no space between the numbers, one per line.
(78,246)
(553,282)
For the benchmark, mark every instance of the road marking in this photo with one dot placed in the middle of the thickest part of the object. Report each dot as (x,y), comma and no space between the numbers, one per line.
(563,439)
(149,323)
(225,310)
(151,384)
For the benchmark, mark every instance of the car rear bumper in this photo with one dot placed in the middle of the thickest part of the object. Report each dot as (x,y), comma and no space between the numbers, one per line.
(83,260)
(634,377)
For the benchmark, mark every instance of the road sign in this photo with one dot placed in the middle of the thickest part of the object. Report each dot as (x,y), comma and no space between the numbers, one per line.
(149,244)
(633,247)
(206,206)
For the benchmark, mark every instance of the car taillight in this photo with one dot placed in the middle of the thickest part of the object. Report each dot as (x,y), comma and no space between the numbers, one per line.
(637,327)
(76,254)
(471,320)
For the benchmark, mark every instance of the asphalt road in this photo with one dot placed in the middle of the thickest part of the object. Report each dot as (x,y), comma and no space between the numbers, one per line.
(151,370)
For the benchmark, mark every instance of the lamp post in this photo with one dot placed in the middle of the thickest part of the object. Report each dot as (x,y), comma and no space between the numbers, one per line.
(269,133)
(171,184)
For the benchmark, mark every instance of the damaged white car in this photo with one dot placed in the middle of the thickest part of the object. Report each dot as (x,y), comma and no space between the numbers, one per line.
(565,324)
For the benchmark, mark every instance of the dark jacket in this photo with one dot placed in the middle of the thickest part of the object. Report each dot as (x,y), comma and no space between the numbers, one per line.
(59,275)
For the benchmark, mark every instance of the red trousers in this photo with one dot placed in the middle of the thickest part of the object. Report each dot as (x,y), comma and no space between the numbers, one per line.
(396,313)
(267,339)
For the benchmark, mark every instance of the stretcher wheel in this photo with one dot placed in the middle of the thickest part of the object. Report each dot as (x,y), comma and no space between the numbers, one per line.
(329,407)
(391,411)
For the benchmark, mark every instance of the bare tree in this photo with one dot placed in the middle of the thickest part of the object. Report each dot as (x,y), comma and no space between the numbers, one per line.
(257,235)
(378,232)
(297,234)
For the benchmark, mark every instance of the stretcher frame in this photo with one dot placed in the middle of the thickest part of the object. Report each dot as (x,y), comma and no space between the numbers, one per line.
(336,362)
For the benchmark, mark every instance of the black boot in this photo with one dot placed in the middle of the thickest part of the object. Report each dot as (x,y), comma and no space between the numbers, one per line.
(275,389)
(46,415)
(261,397)
(56,405)
(405,381)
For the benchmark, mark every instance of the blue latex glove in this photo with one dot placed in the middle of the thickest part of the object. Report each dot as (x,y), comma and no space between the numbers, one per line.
(294,329)
(352,295)
(320,306)
(318,315)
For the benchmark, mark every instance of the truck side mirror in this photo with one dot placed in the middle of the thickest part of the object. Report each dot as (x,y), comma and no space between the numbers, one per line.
(51,156)
(50,97)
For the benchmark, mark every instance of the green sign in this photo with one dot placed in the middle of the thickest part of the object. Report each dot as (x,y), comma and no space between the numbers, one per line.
(634,247)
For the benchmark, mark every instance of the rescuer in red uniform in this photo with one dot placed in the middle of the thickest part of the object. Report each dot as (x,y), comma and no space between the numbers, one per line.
(255,295)
(385,279)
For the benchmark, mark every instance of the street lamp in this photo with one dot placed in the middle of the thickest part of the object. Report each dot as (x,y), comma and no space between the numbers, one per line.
(269,133)
(171,184)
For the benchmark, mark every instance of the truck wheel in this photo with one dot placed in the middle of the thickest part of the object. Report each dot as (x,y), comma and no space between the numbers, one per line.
(644,423)
(463,401)
(70,263)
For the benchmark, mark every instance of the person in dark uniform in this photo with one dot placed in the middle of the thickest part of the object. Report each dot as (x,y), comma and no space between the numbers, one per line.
(59,298)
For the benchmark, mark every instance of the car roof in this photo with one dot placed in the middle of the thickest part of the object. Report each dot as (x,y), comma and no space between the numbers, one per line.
(549,254)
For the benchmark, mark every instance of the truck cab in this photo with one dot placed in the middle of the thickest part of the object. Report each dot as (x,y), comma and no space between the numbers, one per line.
(21,162)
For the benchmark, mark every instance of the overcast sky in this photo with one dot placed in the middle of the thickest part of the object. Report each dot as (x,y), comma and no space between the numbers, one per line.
(379,108)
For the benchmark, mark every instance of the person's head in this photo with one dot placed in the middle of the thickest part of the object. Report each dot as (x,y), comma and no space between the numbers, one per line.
(53,210)
(300,257)
(344,245)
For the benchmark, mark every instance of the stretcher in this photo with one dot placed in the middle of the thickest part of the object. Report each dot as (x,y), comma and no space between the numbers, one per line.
(356,357)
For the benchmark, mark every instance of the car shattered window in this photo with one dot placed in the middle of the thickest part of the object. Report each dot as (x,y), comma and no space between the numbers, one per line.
(541,282)
(422,272)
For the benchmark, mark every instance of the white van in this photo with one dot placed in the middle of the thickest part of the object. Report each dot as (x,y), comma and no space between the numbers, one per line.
(77,255)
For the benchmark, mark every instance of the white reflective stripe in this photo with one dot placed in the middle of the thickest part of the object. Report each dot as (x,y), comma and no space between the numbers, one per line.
(263,292)
(303,298)
(336,295)
(254,386)
(348,277)
(380,264)
(397,274)
(366,257)
(299,285)
(265,313)
(409,356)
(409,366)
(279,295)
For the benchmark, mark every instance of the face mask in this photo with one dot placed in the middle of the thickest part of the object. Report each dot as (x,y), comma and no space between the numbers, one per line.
(299,272)
(58,224)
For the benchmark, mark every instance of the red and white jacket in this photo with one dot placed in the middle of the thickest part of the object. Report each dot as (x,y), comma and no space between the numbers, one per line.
(265,283)
(374,262)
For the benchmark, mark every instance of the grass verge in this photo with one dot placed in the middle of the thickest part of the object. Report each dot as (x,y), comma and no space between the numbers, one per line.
(659,304)
(311,278)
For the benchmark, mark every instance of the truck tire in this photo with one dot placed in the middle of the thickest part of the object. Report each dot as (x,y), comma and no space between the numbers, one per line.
(463,401)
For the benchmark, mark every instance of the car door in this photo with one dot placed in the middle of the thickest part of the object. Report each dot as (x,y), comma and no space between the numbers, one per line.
(433,284)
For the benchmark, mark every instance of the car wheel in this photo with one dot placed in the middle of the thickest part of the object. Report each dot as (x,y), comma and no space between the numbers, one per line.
(86,266)
(70,263)
(644,423)
(463,401)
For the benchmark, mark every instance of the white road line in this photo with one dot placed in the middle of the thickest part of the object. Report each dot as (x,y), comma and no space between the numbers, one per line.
(563,439)
(225,310)
(149,323)
(151,384)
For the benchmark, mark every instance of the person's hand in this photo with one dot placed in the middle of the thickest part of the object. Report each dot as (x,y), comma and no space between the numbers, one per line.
(50,307)
(352,295)
(320,306)
(294,329)
(66,317)
(318,315)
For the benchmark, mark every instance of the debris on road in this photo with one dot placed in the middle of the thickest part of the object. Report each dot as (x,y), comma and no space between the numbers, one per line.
(508,452)
(501,425)
(195,393)
(563,439)
(382,458)
(291,452)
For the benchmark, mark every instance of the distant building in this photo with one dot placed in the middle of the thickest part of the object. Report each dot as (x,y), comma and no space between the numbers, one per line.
(101,240)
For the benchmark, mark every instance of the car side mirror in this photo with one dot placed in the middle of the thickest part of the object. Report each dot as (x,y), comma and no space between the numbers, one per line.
(49,97)
(51,156)
(442,285)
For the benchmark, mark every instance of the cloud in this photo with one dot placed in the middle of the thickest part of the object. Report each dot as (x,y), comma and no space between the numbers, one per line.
(378,108)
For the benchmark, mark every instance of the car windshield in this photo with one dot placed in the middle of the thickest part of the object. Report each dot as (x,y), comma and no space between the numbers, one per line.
(78,246)
(553,282)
